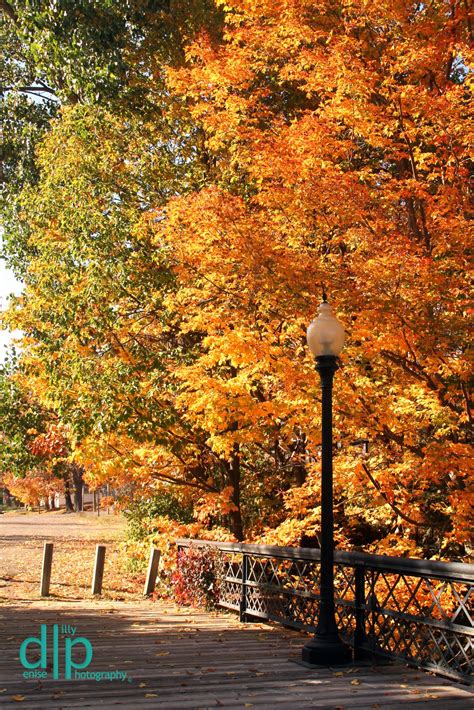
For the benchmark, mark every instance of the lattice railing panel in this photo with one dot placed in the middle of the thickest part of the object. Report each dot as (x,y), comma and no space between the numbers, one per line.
(284,574)
(232,565)
(231,594)
(421,644)
(388,606)
(421,620)
(421,596)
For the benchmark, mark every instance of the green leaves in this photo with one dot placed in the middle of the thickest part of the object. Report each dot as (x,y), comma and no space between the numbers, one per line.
(21,419)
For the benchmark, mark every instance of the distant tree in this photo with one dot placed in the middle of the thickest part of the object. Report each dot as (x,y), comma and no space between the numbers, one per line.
(34,447)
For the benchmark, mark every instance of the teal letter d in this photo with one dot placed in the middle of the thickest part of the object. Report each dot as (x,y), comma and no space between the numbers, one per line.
(43,643)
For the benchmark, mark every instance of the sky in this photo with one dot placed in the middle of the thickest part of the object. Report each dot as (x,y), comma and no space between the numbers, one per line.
(8,285)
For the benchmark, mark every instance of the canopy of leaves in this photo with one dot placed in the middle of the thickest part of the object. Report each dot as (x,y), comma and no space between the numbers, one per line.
(173,257)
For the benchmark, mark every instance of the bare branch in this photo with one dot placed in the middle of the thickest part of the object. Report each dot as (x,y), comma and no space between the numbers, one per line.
(29,89)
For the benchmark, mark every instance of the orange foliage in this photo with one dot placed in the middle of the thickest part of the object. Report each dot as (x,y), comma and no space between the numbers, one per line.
(32,488)
(332,145)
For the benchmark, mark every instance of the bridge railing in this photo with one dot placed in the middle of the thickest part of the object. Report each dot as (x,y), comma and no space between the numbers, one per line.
(417,611)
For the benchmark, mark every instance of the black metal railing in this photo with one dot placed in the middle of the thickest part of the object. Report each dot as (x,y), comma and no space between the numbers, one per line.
(415,610)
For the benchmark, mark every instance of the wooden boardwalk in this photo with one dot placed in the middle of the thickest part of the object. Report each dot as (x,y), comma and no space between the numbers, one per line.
(179,659)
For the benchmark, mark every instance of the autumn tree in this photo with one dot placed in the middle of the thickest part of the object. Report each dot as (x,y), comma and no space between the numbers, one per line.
(97,345)
(178,238)
(34,446)
(340,138)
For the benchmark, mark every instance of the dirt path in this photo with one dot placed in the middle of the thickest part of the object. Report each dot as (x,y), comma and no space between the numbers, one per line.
(22,537)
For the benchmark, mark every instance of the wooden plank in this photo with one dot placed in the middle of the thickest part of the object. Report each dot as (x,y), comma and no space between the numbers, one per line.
(186,659)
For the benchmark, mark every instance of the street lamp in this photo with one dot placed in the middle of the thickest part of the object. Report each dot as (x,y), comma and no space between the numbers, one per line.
(325,338)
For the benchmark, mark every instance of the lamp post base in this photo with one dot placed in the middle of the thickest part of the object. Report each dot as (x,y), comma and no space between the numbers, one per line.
(321,651)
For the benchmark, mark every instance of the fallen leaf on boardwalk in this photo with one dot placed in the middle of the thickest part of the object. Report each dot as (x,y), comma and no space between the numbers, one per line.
(249,705)
(162,653)
(415,692)
(355,682)
(18,698)
(142,685)
(151,695)
(338,674)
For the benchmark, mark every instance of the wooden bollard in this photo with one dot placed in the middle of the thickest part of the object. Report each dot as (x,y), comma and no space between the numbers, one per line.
(152,571)
(46,569)
(98,569)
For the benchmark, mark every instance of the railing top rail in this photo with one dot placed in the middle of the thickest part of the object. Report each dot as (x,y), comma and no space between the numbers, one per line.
(455,571)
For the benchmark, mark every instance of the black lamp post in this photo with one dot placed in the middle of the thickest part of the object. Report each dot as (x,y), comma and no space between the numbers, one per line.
(325,340)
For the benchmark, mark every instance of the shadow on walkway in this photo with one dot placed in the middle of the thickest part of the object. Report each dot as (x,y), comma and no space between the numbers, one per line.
(177,659)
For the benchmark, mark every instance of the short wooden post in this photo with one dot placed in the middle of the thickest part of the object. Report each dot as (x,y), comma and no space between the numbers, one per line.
(98,569)
(46,569)
(152,571)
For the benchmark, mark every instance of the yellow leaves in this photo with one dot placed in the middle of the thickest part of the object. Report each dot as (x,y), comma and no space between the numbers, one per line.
(320,153)
(212,503)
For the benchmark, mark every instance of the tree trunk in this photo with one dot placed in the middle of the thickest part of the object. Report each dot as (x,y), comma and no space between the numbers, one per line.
(298,449)
(77,477)
(67,496)
(233,474)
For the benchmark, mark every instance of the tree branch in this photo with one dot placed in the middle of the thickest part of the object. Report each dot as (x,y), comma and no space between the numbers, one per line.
(395,507)
(8,10)
(30,89)
(166,476)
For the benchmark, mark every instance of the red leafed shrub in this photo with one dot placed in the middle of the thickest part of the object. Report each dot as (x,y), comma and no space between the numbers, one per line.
(197,578)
